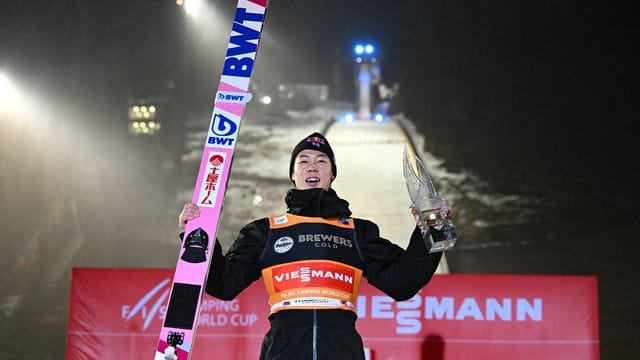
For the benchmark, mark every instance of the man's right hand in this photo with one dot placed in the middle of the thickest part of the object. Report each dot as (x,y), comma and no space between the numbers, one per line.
(189,212)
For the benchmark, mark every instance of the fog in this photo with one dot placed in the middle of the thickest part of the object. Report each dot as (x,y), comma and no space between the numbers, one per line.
(527,109)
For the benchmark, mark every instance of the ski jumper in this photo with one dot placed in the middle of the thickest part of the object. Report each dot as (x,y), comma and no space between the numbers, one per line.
(312,260)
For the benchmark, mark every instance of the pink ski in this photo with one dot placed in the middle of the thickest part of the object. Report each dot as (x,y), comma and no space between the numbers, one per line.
(178,331)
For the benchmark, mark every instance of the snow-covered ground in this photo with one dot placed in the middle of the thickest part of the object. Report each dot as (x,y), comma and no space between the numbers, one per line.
(369,156)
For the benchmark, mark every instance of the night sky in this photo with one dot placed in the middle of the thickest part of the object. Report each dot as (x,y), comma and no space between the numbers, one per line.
(530,94)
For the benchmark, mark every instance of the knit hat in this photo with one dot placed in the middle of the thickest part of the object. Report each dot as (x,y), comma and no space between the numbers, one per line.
(315,141)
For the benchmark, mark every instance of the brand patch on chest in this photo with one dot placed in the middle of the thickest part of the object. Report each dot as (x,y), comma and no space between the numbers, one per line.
(283,245)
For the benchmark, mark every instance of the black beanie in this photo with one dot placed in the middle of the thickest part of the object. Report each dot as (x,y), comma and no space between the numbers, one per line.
(315,141)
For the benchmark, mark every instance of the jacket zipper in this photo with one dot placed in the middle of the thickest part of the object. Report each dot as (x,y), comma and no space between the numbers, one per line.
(315,336)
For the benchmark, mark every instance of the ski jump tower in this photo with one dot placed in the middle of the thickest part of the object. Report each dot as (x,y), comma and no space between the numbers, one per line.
(367,75)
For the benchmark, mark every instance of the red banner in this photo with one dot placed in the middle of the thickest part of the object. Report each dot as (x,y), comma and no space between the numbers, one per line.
(117,313)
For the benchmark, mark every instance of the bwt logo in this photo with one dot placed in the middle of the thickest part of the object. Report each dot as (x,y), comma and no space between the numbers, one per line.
(230,97)
(223,128)
(222,125)
(149,306)
(242,44)
(233,97)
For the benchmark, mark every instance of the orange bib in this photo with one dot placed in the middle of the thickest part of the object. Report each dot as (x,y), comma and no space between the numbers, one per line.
(311,263)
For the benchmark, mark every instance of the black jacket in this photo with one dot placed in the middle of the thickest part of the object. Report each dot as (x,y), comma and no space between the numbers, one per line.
(397,272)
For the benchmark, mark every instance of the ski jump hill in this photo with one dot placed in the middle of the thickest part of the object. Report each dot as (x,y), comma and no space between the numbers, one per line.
(369,160)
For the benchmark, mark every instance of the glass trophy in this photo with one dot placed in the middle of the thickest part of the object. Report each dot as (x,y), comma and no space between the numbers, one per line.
(432,211)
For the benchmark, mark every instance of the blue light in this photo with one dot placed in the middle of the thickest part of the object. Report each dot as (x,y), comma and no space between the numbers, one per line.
(369,49)
(349,117)
(379,117)
(364,52)
(346,117)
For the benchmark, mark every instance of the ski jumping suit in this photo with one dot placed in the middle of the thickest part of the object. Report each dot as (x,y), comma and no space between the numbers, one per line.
(312,260)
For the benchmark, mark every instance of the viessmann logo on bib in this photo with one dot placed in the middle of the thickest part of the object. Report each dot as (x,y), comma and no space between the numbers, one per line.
(314,274)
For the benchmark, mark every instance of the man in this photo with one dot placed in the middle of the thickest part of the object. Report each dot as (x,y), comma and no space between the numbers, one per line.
(312,259)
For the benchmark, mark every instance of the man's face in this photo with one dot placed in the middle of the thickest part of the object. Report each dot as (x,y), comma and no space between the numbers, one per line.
(312,169)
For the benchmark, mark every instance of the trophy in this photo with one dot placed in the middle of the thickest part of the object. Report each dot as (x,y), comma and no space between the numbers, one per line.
(432,211)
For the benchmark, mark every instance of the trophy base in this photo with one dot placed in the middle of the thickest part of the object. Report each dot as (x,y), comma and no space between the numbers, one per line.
(442,236)
(442,245)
